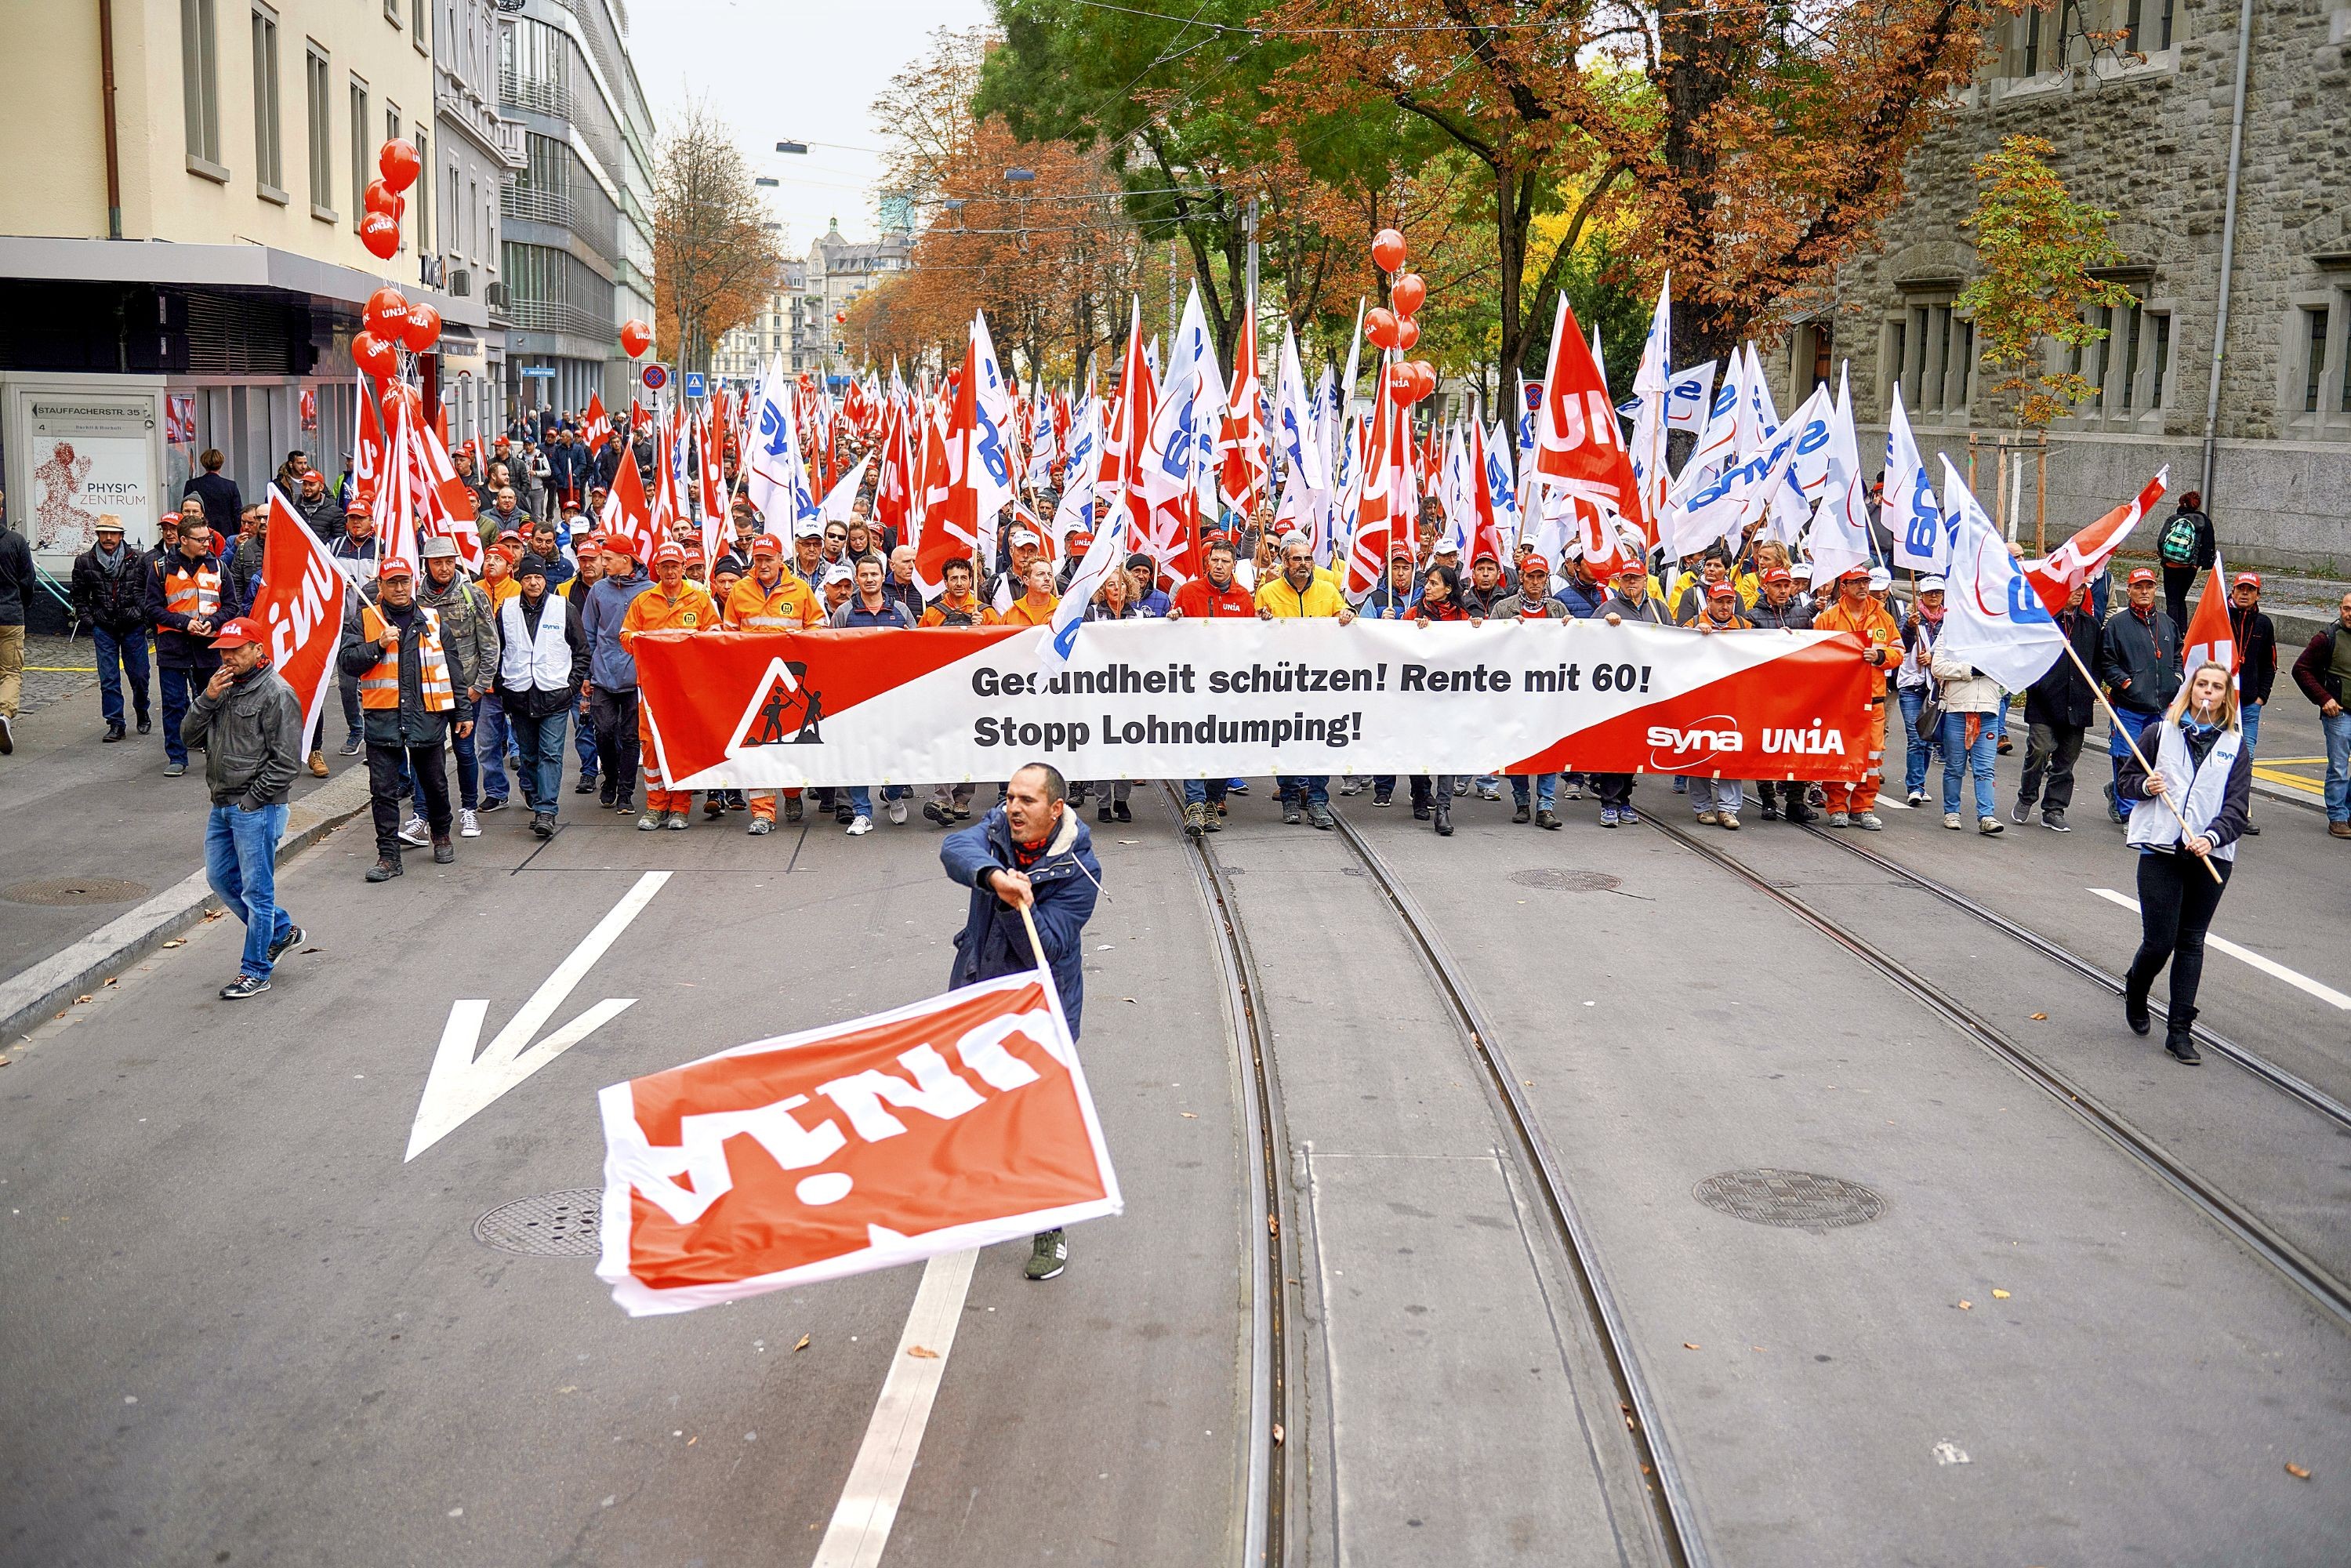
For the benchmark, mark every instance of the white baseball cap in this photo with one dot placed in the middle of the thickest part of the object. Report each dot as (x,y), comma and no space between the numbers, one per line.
(1880,580)
(1932,585)
(808,528)
(1023,537)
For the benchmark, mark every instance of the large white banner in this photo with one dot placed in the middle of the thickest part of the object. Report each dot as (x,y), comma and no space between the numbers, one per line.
(1165,699)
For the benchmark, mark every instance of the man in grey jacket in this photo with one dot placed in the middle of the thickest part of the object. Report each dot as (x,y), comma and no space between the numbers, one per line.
(249,723)
(613,673)
(470,638)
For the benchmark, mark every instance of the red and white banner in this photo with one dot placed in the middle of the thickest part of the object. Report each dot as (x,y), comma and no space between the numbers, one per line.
(1176,699)
(950,1124)
(299,603)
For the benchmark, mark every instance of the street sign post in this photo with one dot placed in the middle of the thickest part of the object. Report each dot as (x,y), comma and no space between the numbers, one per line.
(696,384)
(655,377)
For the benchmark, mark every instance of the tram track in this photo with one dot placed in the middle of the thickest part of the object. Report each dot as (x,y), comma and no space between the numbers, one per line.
(1665,1485)
(2322,1285)
(2252,1061)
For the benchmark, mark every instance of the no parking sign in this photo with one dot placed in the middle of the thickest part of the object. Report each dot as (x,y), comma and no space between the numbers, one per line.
(655,377)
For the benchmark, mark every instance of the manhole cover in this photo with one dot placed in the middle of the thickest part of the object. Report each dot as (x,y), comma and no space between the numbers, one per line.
(1792,1200)
(65,890)
(1560,880)
(552,1225)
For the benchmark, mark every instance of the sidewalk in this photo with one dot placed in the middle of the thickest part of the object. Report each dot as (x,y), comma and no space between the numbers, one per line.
(96,835)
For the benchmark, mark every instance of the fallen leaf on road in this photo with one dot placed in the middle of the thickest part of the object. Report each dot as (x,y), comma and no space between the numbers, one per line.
(2000,1295)
(5,1060)
(1687,1345)
(114,979)
(84,998)
(177,942)
(1190,1115)
(314,949)
(569,1388)
(1277,1433)
(1966,1306)
(922,1352)
(2296,1471)
(802,1345)
(211,915)
(2040,1018)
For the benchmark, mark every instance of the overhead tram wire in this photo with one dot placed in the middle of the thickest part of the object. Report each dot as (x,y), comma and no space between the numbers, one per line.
(2299,1269)
(2259,1066)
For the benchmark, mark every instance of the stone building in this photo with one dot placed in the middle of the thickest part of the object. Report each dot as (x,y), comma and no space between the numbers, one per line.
(2142,125)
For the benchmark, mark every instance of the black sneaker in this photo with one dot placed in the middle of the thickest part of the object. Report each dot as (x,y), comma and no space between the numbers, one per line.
(1796,811)
(146,724)
(1290,815)
(1520,814)
(1382,798)
(1048,1254)
(935,812)
(1101,812)
(607,795)
(1319,815)
(1122,811)
(2114,806)
(246,986)
(493,804)
(295,936)
(2055,821)
(586,785)
(1771,810)
(543,824)
(351,747)
(2177,1042)
(384,870)
(1547,818)
(114,732)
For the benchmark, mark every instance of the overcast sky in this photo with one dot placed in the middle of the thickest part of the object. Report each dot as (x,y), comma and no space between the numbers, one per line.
(797,70)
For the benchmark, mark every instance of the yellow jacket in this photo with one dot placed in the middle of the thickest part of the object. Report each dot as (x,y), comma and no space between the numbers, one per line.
(1283,602)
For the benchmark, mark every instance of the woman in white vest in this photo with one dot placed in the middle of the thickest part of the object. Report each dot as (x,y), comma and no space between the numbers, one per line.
(2187,845)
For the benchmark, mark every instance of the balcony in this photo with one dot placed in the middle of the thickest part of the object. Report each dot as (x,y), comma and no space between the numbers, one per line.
(518,92)
(552,316)
(535,206)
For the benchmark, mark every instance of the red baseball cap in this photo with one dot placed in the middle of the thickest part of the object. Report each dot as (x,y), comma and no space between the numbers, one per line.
(2139,575)
(2249,580)
(1722,590)
(668,554)
(395,567)
(239,632)
(616,545)
(767,544)
(1533,559)
(1778,574)
(1400,548)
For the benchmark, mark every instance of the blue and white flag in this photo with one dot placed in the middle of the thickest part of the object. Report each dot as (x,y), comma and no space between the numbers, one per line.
(1992,618)
(1113,542)
(1689,397)
(1922,540)
(1840,539)
(773,477)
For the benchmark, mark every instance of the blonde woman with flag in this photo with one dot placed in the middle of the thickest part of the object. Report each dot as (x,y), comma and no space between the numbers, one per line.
(2186,842)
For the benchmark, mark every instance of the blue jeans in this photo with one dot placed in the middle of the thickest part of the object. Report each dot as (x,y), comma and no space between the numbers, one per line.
(583,741)
(178,686)
(1978,759)
(2249,718)
(540,741)
(1314,788)
(469,772)
(1914,768)
(118,657)
(2136,725)
(1546,790)
(489,744)
(861,796)
(2338,765)
(1205,791)
(241,863)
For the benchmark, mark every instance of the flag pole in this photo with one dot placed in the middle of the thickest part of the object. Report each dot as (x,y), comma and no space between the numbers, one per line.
(2128,739)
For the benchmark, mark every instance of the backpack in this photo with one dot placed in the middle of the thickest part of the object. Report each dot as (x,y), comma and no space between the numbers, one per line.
(2177,545)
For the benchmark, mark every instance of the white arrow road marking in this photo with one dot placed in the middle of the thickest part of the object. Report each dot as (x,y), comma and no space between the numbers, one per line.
(877,1480)
(461,1085)
(2269,966)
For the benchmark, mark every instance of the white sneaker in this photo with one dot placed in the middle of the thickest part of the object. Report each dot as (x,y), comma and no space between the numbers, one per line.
(897,809)
(861,826)
(414,832)
(1951,821)
(468,825)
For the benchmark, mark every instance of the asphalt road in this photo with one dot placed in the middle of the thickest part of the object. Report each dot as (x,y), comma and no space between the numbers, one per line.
(236,1326)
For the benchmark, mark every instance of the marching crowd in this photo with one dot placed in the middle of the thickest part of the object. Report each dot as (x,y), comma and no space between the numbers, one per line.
(503,670)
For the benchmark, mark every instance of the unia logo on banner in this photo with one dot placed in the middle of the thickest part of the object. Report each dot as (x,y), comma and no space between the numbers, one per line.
(783,711)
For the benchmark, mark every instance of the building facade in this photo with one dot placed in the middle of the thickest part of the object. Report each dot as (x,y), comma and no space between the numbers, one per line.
(2141,119)
(475,152)
(838,270)
(180,263)
(786,325)
(576,251)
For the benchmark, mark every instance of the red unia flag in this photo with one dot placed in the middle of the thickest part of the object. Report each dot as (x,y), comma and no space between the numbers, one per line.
(598,426)
(2211,639)
(937,1128)
(299,603)
(628,510)
(1241,440)
(1578,448)
(951,520)
(1386,502)
(2084,556)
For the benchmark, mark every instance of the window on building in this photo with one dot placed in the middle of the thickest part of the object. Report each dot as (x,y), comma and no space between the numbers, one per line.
(391,122)
(2315,323)
(424,197)
(318,85)
(1936,352)
(420,32)
(474,221)
(2129,369)
(200,83)
(269,153)
(392,12)
(2030,54)
(363,155)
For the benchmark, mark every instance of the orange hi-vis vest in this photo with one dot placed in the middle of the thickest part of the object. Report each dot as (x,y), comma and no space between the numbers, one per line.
(380,688)
(787,606)
(190,591)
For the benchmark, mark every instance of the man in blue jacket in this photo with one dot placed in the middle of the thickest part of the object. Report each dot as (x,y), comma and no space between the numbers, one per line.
(1030,853)
(611,688)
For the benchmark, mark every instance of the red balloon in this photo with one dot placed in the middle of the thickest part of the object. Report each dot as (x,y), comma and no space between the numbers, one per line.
(839,317)
(1424,375)
(380,232)
(1387,249)
(636,337)
(1407,333)
(386,313)
(373,355)
(383,198)
(1406,293)
(399,162)
(1380,327)
(421,328)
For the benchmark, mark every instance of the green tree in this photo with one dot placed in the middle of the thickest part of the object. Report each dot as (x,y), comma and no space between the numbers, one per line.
(2038,249)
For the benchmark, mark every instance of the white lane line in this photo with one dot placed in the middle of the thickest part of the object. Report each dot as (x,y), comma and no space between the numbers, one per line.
(2269,966)
(869,1502)
(461,1085)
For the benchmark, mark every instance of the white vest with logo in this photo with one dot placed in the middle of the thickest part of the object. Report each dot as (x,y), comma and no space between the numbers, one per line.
(2198,792)
(540,663)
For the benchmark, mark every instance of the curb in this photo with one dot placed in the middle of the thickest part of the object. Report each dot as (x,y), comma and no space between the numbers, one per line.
(50,986)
